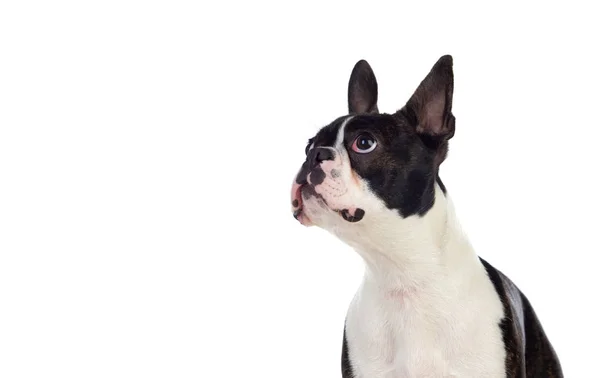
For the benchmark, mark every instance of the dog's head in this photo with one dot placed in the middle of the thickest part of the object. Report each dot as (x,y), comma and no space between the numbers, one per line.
(367,165)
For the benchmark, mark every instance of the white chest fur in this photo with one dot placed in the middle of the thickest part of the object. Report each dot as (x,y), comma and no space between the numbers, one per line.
(434,331)
(426,307)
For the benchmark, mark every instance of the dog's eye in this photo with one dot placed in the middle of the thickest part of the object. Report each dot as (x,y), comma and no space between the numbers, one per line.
(308,147)
(364,143)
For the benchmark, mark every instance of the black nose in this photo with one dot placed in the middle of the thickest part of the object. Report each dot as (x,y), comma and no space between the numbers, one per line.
(319,155)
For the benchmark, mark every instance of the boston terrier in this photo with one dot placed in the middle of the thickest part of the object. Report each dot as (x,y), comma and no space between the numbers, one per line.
(428,306)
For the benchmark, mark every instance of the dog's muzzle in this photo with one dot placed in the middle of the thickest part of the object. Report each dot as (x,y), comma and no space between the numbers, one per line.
(310,176)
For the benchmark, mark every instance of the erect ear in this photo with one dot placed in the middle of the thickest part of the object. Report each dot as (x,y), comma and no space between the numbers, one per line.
(431,105)
(362,89)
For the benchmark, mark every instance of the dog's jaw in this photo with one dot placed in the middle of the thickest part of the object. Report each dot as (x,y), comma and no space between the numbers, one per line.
(298,205)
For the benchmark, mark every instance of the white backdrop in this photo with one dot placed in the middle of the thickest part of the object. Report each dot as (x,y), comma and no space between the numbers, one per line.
(147,151)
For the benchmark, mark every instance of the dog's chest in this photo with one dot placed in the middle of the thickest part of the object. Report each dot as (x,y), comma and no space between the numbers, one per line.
(406,335)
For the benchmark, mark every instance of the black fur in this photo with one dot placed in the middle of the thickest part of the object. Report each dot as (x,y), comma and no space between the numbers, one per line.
(346,366)
(529,353)
(362,89)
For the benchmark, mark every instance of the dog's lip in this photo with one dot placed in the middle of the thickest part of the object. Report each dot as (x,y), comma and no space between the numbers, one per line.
(297,205)
(297,196)
(352,215)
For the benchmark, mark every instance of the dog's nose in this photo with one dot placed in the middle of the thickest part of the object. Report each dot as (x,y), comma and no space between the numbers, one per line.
(319,155)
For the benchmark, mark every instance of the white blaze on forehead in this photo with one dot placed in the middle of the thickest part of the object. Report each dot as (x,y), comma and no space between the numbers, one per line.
(339,141)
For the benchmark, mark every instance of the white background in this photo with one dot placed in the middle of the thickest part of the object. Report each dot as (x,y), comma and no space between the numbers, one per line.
(147,151)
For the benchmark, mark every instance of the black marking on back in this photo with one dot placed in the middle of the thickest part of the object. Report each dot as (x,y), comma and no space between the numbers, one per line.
(540,357)
(346,366)
(529,353)
(513,342)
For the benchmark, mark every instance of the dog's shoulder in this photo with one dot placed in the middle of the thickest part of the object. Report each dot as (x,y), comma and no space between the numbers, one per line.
(529,353)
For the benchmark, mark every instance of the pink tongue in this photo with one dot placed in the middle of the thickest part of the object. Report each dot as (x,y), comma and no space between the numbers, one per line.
(296,196)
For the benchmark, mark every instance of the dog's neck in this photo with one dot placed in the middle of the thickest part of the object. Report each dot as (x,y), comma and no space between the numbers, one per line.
(414,253)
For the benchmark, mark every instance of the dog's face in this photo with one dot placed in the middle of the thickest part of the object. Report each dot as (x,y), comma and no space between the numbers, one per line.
(364,166)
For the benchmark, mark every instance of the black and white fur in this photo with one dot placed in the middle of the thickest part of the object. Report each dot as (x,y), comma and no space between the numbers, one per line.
(428,306)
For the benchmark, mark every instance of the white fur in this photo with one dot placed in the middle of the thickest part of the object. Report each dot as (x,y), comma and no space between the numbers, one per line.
(426,307)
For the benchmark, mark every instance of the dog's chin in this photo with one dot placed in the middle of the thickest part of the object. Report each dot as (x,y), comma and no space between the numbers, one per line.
(316,209)
(311,208)
(302,216)
(318,213)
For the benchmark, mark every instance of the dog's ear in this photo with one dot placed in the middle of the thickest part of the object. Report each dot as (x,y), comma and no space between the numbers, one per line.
(362,89)
(430,107)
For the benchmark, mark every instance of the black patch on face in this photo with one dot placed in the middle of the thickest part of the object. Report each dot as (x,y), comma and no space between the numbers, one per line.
(302,177)
(358,215)
(529,353)
(309,191)
(317,176)
(401,170)
(295,203)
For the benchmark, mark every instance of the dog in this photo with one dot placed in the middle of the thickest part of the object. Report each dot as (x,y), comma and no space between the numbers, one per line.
(427,306)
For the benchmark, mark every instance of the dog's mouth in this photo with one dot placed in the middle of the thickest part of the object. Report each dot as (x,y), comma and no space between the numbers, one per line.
(297,204)
(352,215)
